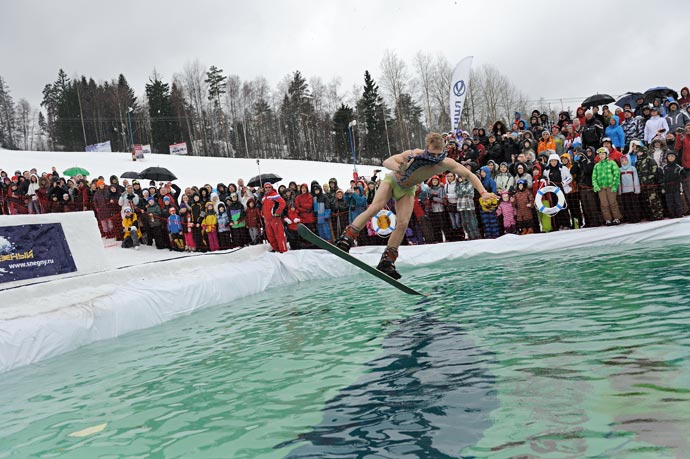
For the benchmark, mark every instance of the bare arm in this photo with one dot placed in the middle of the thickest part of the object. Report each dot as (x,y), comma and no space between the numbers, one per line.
(461,170)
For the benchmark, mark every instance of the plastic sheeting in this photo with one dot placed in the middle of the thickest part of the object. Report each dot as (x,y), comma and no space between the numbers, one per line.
(45,320)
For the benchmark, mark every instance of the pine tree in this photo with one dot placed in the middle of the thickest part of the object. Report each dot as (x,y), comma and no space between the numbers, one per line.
(164,127)
(374,114)
(297,113)
(7,118)
(341,120)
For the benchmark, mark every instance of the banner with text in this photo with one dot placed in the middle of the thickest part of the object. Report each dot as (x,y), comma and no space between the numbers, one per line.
(458,89)
(100,147)
(178,148)
(32,251)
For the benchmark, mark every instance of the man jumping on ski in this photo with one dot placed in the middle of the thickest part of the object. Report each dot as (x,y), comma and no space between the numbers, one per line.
(409,168)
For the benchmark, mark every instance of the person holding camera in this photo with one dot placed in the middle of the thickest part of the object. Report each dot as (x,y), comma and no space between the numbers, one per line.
(656,126)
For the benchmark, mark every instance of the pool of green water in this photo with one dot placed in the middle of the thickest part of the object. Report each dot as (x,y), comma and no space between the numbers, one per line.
(569,354)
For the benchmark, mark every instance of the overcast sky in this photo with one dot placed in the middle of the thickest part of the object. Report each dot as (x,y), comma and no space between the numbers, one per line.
(548,48)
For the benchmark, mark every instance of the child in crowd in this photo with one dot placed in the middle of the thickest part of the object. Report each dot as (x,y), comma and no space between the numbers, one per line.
(629,191)
(523,205)
(253,222)
(224,237)
(175,230)
(672,176)
(506,209)
(291,221)
(468,214)
(208,226)
(187,228)
(488,215)
(130,225)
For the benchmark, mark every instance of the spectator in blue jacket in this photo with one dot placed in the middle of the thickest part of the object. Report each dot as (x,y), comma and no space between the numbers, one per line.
(356,200)
(615,132)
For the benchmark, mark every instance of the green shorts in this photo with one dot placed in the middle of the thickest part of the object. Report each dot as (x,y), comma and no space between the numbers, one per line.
(398,191)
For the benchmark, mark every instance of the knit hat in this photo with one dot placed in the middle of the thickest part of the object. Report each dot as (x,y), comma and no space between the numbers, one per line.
(589,112)
(127,210)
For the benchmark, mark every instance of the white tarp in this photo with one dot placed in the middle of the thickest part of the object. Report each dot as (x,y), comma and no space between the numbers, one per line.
(45,320)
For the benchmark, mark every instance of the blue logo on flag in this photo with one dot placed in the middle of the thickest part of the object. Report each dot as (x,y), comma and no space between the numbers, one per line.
(459,88)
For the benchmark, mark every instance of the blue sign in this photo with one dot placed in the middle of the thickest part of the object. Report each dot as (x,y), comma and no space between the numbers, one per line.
(32,251)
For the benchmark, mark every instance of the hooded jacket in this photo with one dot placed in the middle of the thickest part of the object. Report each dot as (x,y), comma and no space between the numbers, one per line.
(676,118)
(304,203)
(630,182)
(652,127)
(488,182)
(616,133)
(561,172)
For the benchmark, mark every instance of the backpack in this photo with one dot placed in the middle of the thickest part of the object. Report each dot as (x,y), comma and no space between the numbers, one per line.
(589,135)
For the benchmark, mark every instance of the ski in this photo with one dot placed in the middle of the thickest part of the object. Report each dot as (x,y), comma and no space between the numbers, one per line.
(309,236)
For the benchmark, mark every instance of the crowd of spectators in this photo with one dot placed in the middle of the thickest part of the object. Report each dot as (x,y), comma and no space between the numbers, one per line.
(626,166)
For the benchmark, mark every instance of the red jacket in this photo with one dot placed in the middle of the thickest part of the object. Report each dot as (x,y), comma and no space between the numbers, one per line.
(304,203)
(293,216)
(272,204)
(683,146)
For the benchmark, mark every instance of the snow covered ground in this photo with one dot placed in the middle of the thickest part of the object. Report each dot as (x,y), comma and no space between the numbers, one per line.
(137,290)
(190,170)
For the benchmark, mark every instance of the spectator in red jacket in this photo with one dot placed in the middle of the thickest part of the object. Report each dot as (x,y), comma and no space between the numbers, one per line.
(304,202)
(272,207)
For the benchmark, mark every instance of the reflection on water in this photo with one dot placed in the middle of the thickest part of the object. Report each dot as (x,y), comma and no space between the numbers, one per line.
(428,395)
(561,355)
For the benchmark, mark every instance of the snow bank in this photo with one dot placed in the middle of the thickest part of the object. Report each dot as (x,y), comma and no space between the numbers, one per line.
(83,238)
(45,320)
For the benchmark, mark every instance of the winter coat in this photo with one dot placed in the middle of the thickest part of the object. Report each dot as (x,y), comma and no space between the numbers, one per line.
(606,175)
(223,220)
(546,144)
(357,203)
(292,219)
(253,216)
(487,181)
(632,129)
(677,119)
(465,193)
(630,182)
(652,127)
(208,224)
(647,169)
(174,224)
(128,223)
(523,204)
(559,175)
(237,215)
(682,146)
(304,203)
(273,205)
(507,209)
(592,132)
(616,134)
(671,178)
(436,195)
(504,182)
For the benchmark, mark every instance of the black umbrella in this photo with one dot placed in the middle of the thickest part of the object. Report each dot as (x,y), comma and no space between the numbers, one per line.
(629,98)
(597,99)
(130,174)
(157,173)
(660,92)
(260,179)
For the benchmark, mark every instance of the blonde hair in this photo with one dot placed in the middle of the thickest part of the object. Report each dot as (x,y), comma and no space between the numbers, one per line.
(434,141)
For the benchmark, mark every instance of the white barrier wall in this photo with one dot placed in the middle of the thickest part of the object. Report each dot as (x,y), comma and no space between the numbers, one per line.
(44,320)
(83,238)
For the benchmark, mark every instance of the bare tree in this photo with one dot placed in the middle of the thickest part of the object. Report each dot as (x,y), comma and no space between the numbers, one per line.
(193,78)
(394,81)
(441,79)
(423,65)
(24,121)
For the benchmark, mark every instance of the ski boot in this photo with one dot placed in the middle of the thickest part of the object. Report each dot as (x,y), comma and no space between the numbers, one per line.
(346,240)
(387,263)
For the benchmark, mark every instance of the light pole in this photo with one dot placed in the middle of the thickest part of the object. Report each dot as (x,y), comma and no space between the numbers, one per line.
(129,124)
(350,128)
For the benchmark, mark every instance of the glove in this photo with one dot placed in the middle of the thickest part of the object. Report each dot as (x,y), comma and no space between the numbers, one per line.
(132,228)
(288,221)
(297,220)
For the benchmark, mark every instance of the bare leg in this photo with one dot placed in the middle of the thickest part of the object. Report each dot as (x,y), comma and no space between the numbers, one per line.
(403,212)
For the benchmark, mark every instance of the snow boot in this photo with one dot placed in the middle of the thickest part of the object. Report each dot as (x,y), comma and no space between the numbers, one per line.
(346,240)
(387,263)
